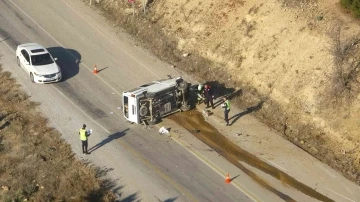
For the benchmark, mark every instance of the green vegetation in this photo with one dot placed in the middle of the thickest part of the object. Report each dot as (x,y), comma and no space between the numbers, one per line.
(353,5)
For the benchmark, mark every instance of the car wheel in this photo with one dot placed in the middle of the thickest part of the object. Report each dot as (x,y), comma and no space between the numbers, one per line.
(18,61)
(152,122)
(32,78)
(183,85)
(185,108)
(143,111)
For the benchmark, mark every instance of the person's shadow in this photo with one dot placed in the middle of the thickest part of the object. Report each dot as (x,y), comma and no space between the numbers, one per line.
(229,96)
(108,139)
(247,111)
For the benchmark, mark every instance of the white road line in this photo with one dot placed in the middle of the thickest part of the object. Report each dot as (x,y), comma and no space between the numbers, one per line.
(47,33)
(7,45)
(347,188)
(326,170)
(111,41)
(215,168)
(274,164)
(340,195)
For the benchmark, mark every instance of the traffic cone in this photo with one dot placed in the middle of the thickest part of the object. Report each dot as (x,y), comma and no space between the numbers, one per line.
(227,179)
(95,70)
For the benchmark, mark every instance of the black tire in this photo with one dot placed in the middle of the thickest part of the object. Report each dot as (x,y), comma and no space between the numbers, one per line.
(185,108)
(183,86)
(32,78)
(18,61)
(144,110)
(152,122)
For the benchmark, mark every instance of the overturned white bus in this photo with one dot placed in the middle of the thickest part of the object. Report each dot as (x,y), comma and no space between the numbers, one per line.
(150,102)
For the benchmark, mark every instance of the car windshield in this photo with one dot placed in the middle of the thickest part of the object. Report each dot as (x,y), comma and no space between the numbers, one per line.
(43,59)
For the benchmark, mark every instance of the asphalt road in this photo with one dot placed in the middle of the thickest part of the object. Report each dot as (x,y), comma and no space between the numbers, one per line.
(142,164)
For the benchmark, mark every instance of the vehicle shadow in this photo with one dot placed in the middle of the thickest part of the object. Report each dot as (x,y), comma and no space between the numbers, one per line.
(247,111)
(167,200)
(68,61)
(171,199)
(108,139)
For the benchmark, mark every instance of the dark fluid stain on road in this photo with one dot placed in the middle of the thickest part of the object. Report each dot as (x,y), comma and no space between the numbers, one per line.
(194,122)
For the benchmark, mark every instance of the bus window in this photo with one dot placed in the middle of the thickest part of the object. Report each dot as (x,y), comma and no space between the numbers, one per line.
(126,106)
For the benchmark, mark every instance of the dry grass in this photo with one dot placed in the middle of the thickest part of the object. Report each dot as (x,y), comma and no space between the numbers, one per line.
(36,164)
(346,58)
(151,35)
(296,3)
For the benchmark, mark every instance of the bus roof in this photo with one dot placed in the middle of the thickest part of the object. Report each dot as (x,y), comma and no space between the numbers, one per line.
(154,87)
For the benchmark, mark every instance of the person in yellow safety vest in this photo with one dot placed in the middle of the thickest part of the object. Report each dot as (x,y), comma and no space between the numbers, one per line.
(84,139)
(226,107)
(200,93)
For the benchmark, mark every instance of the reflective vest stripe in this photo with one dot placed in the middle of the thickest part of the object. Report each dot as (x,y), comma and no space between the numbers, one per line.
(83,135)
(227,102)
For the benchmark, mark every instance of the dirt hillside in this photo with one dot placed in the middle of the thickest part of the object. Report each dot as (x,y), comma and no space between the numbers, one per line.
(297,60)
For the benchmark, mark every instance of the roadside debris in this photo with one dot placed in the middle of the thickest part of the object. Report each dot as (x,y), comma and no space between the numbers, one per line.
(5,188)
(186,55)
(147,127)
(163,130)
(207,112)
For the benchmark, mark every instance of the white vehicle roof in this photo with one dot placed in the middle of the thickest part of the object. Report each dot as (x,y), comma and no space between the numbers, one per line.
(34,48)
(153,87)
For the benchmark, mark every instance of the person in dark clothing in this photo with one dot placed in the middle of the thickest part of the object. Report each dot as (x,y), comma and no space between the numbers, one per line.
(84,139)
(209,96)
(226,107)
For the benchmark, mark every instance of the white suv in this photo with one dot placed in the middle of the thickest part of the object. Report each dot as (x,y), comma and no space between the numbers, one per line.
(38,63)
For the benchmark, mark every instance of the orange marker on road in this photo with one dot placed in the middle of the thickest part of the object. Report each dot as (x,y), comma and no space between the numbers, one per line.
(227,179)
(95,70)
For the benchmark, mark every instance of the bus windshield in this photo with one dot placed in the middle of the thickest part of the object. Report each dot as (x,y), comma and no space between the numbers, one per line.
(126,106)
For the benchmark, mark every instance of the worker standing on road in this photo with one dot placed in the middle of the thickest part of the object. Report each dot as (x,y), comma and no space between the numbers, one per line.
(84,139)
(226,107)
(209,96)
(200,93)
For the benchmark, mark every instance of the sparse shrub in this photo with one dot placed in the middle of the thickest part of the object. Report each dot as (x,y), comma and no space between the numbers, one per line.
(353,5)
(2,146)
(346,59)
(30,189)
